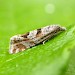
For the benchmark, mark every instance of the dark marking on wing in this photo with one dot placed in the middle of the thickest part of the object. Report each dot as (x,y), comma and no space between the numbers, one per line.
(14,50)
(38,31)
(21,46)
(25,35)
(25,39)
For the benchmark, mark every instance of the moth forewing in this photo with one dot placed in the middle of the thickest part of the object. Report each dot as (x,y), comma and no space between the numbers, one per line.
(22,42)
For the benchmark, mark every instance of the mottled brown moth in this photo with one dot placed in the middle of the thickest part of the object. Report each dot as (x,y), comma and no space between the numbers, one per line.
(22,42)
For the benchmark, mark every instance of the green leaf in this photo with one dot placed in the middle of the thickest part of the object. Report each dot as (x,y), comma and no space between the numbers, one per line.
(50,59)
(71,64)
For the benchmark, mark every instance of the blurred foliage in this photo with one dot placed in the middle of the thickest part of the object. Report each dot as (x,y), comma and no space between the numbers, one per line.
(21,16)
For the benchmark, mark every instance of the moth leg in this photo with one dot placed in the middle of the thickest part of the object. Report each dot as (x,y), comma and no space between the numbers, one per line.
(43,42)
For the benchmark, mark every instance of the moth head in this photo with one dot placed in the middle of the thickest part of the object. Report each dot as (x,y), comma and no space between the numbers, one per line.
(58,27)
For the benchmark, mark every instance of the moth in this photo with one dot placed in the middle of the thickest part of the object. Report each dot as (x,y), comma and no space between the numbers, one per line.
(22,42)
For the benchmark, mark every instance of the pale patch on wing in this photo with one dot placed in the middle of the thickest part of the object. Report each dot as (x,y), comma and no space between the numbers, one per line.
(46,30)
(32,34)
(17,50)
